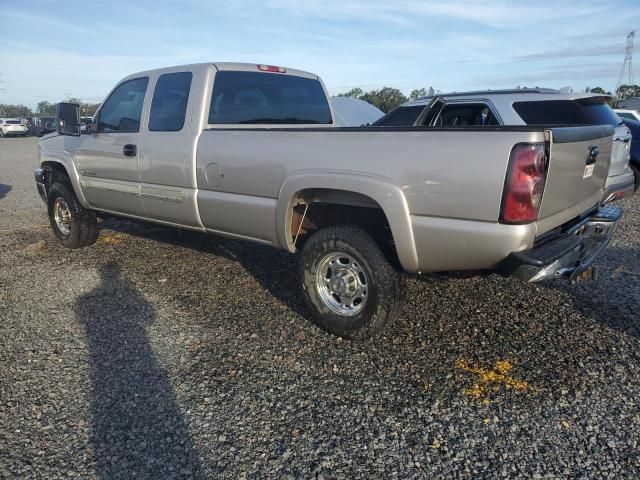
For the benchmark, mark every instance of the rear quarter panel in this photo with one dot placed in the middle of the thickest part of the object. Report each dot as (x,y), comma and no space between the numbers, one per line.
(453,174)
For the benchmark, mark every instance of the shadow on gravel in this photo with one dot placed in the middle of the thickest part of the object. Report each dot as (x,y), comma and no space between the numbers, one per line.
(614,299)
(4,190)
(275,270)
(138,429)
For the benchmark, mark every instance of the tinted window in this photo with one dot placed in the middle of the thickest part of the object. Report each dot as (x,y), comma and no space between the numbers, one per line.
(13,122)
(588,111)
(466,114)
(123,109)
(626,115)
(267,98)
(401,117)
(169,104)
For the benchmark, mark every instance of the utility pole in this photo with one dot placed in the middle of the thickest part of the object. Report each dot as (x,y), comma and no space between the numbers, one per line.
(626,72)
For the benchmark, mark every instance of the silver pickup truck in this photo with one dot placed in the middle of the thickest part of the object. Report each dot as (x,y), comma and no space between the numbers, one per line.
(252,152)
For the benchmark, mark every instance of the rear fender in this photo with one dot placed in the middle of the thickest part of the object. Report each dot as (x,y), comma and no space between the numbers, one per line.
(388,196)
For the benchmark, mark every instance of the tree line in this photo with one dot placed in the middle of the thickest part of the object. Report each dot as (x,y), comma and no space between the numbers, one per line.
(45,109)
(388,98)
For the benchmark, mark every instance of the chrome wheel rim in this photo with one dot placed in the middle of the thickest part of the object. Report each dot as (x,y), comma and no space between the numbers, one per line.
(342,284)
(62,216)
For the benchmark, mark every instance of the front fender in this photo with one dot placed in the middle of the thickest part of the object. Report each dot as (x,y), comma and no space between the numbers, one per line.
(387,195)
(52,152)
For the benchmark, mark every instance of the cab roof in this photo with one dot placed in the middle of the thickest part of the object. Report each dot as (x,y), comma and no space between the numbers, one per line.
(222,66)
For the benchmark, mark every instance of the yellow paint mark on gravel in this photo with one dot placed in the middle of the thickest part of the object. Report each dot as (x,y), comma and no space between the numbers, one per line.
(491,380)
(115,239)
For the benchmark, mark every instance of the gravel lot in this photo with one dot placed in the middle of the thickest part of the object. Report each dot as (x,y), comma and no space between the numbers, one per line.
(164,354)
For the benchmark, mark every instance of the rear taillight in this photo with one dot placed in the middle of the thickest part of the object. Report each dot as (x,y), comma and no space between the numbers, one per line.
(524,185)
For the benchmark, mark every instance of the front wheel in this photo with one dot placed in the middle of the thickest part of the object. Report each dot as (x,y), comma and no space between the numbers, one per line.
(351,287)
(74,225)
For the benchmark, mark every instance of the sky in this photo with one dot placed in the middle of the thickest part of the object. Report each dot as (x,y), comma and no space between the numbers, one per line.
(50,49)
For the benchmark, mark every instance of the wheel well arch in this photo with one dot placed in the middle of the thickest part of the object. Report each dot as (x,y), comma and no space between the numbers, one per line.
(55,172)
(349,193)
(60,171)
(315,208)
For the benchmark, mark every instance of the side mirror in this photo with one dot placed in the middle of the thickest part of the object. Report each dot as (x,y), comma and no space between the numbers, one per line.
(68,118)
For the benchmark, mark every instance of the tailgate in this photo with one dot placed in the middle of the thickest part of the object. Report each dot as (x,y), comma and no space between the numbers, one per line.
(579,160)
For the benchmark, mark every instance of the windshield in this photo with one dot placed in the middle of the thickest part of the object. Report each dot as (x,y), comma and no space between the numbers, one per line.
(13,122)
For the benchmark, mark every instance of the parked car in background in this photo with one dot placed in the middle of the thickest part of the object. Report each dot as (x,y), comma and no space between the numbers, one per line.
(252,152)
(629,114)
(85,123)
(528,106)
(353,112)
(41,126)
(634,162)
(13,127)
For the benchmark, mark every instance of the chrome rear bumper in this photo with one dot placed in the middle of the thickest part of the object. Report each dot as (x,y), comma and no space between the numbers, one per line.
(571,255)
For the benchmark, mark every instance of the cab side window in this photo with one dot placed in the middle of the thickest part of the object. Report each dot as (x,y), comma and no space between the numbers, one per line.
(169,105)
(122,111)
(465,115)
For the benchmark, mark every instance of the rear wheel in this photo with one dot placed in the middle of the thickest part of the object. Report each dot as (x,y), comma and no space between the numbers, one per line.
(351,287)
(74,225)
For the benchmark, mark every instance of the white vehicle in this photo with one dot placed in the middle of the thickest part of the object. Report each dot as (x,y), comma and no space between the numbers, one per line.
(12,127)
(527,106)
(630,114)
(353,112)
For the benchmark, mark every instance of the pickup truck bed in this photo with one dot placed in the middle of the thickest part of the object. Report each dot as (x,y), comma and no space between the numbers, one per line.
(363,205)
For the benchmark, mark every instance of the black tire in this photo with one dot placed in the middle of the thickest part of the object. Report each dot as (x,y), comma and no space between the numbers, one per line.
(83,225)
(385,286)
(636,175)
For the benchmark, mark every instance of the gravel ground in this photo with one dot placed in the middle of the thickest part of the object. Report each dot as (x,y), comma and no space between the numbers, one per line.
(161,354)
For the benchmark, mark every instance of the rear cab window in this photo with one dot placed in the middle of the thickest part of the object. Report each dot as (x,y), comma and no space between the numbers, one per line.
(585,111)
(169,104)
(245,98)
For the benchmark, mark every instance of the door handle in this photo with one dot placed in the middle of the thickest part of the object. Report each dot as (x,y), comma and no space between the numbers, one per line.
(130,150)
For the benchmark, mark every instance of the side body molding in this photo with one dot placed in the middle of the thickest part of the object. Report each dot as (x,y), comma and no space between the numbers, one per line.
(387,195)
